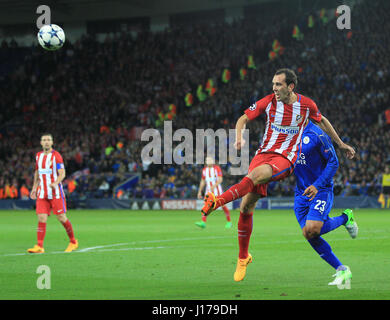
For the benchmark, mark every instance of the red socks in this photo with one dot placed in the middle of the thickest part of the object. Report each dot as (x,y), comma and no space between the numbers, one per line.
(41,231)
(69,230)
(235,192)
(245,224)
(204,218)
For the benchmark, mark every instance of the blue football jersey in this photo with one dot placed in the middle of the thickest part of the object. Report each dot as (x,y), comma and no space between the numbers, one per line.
(317,162)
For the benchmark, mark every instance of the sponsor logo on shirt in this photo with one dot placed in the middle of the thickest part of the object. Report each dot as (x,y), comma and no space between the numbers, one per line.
(44,171)
(285,129)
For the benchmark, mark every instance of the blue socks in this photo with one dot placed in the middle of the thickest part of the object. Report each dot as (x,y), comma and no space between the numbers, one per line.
(325,251)
(333,223)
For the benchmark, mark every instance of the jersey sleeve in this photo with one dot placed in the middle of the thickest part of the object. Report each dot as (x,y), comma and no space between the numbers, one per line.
(258,108)
(59,161)
(327,151)
(36,162)
(314,113)
(219,171)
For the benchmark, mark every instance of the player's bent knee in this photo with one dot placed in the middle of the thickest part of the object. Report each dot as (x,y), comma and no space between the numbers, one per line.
(261,174)
(42,217)
(62,217)
(246,208)
(311,233)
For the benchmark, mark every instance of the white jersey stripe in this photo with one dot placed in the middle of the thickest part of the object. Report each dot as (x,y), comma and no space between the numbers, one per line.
(290,137)
(48,177)
(278,120)
(41,186)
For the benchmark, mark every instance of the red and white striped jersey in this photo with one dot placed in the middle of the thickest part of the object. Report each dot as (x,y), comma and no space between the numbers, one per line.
(210,175)
(284,124)
(48,166)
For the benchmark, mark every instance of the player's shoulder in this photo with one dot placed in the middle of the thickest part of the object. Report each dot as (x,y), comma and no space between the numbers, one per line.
(37,155)
(57,154)
(305,101)
(268,98)
(217,167)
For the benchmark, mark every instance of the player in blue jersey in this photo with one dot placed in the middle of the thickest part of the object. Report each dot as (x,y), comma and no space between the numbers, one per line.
(314,173)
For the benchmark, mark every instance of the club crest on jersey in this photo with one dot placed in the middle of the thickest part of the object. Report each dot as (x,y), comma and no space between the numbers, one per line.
(299,118)
(306,140)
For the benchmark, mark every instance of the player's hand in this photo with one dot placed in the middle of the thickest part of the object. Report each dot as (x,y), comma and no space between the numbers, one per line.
(350,151)
(199,195)
(311,192)
(53,185)
(33,194)
(239,144)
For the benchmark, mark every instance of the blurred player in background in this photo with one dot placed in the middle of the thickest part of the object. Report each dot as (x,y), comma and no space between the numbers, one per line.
(384,197)
(314,170)
(286,112)
(48,193)
(212,179)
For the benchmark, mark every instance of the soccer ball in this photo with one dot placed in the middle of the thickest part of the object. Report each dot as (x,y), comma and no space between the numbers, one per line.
(51,37)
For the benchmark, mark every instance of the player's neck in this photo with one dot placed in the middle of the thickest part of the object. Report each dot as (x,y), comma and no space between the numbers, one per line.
(47,151)
(292,98)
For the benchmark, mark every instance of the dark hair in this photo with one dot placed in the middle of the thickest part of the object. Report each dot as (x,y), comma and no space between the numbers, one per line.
(291,77)
(47,134)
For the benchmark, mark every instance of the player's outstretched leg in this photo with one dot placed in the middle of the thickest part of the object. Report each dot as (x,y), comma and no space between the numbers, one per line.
(351,224)
(235,192)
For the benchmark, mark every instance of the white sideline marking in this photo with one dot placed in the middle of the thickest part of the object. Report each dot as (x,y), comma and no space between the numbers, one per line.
(123,244)
(258,241)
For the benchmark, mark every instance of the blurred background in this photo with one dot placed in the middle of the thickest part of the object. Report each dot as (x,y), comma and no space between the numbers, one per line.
(129,65)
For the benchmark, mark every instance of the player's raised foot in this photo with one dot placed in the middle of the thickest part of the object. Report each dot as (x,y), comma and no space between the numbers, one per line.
(351,224)
(36,249)
(343,275)
(201,224)
(239,275)
(228,225)
(72,246)
(209,203)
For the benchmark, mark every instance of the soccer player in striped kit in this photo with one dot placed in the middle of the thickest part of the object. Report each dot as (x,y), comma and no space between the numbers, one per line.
(49,194)
(286,112)
(212,179)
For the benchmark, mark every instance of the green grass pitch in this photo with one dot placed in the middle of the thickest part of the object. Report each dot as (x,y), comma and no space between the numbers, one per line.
(162,255)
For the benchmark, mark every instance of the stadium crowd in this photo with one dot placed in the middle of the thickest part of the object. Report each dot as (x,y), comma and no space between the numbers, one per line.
(94,97)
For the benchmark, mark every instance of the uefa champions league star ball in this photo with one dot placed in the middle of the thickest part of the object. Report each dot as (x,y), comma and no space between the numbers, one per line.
(51,37)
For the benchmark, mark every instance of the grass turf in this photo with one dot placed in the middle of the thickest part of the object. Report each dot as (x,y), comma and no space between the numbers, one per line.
(154,255)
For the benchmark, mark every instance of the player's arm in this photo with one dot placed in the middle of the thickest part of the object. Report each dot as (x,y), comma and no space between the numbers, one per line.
(251,113)
(332,163)
(240,127)
(201,187)
(325,125)
(60,178)
(33,193)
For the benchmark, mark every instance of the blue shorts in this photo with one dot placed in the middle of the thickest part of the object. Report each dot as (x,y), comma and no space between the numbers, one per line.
(318,209)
